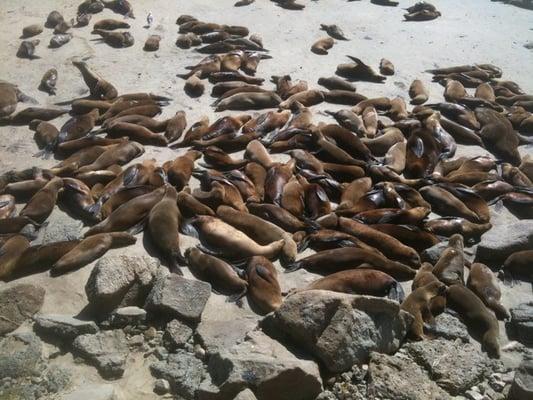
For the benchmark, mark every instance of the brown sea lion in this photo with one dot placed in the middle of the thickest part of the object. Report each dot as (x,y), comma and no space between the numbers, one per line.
(99,88)
(217,272)
(336,83)
(418,92)
(32,30)
(386,67)
(450,267)
(194,87)
(484,283)
(453,225)
(53,19)
(256,152)
(454,91)
(446,204)
(410,236)
(519,263)
(122,196)
(221,192)
(43,202)
(321,46)
(110,24)
(277,215)
(424,276)
(293,197)
(353,192)
(123,7)
(191,207)
(418,304)
(307,98)
(10,252)
(152,43)
(263,286)
(119,154)
(24,117)
(380,145)
(49,81)
(358,70)
(413,216)
(78,198)
(476,317)
(91,249)
(395,158)
(277,176)
(136,133)
(27,49)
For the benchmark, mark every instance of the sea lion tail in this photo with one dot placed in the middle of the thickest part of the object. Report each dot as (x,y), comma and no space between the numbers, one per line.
(295,266)
(396,292)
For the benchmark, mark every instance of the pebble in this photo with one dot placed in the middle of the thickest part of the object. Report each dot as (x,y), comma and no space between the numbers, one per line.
(161,386)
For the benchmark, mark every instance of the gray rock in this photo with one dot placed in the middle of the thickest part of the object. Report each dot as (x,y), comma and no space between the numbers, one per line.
(521,324)
(522,386)
(340,329)
(217,335)
(56,378)
(176,334)
(246,394)
(17,304)
(349,385)
(176,296)
(92,392)
(20,355)
(161,386)
(460,365)
(124,316)
(400,378)
(266,367)
(60,227)
(503,240)
(64,327)
(106,350)
(449,327)
(120,281)
(183,371)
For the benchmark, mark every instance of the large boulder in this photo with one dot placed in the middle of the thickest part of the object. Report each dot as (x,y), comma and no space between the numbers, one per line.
(218,335)
(177,334)
(340,329)
(449,327)
(503,240)
(460,365)
(120,280)
(20,355)
(60,227)
(106,350)
(64,327)
(179,297)
(17,304)
(266,367)
(521,325)
(522,386)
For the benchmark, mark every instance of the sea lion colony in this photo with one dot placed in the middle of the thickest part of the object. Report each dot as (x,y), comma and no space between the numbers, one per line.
(368,192)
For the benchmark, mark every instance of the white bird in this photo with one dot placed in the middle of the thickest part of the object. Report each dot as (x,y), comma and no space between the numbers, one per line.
(149,19)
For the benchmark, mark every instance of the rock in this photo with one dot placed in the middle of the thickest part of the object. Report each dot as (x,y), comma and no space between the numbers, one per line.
(20,355)
(60,227)
(246,394)
(460,365)
(217,335)
(521,325)
(92,392)
(266,367)
(184,372)
(107,350)
(340,329)
(63,326)
(57,378)
(176,334)
(137,340)
(400,378)
(120,281)
(176,296)
(18,303)
(449,327)
(503,240)
(161,386)
(522,386)
(124,316)
(349,385)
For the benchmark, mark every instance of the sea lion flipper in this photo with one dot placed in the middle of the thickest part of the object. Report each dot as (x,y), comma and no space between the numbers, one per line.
(293,267)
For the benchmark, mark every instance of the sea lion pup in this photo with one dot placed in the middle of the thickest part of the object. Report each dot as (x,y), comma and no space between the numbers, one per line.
(91,249)
(119,154)
(7,205)
(484,284)
(358,71)
(334,31)
(263,232)
(43,202)
(222,277)
(27,49)
(388,245)
(194,87)
(130,216)
(476,316)
(120,7)
(423,277)
(418,92)
(352,257)
(418,304)
(163,225)
(179,171)
(321,46)
(454,91)
(31,30)
(450,267)
(386,67)
(263,286)
(98,87)
(49,81)
(249,101)
(10,252)
(336,83)
(230,242)
(115,39)
(152,43)
(110,24)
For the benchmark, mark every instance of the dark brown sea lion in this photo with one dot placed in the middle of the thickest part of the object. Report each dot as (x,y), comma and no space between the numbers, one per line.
(418,304)
(136,133)
(152,43)
(10,252)
(116,39)
(321,46)
(277,176)
(42,203)
(277,215)
(518,203)
(110,24)
(336,83)
(222,192)
(476,317)
(27,49)
(78,198)
(418,92)
(10,95)
(334,31)
(413,216)
(191,207)
(78,126)
(484,283)
(53,19)
(90,7)
(446,204)
(49,81)
(453,225)
(358,70)
(410,236)
(424,276)
(386,67)
(450,267)
(31,30)
(59,40)
(263,286)
(120,7)
(250,101)
(217,272)
(99,88)
(91,249)
(194,87)
(519,264)
(24,117)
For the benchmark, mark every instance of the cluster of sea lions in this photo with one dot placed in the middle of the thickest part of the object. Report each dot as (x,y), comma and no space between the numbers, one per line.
(368,193)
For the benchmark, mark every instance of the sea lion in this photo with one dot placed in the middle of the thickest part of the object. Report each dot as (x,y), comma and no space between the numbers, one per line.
(446,204)
(15,224)
(398,109)
(484,283)
(359,281)
(78,126)
(152,43)
(321,46)
(180,170)
(358,70)
(386,67)
(250,101)
(191,207)
(492,188)
(334,31)
(27,49)
(136,133)
(353,192)
(163,224)
(519,263)
(460,133)
(119,154)
(10,95)
(230,241)
(450,267)
(412,216)
(352,257)
(115,39)
(476,317)
(24,117)
(78,198)
(217,272)
(306,98)
(49,81)
(194,87)
(418,304)
(120,7)
(122,196)
(99,88)
(82,20)
(380,145)
(395,158)
(289,4)
(293,197)
(59,40)
(53,19)
(277,177)
(91,249)
(336,83)
(349,120)
(518,203)
(90,7)
(278,216)
(410,236)
(424,275)
(221,192)
(418,92)
(32,30)
(257,174)
(453,225)
(346,97)
(423,15)
(110,24)
(263,286)
(42,203)
(10,253)
(485,91)
(370,119)
(454,91)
